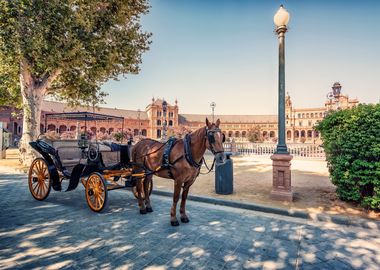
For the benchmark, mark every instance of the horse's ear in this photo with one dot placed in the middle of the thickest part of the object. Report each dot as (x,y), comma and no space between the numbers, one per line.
(217,123)
(207,122)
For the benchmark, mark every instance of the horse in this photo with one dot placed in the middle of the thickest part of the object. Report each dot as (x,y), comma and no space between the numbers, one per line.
(182,163)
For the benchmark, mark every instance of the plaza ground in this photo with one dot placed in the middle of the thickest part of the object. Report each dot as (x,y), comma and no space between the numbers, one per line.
(313,190)
(61,232)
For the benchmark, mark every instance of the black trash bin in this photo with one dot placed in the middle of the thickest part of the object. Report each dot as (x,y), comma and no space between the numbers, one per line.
(224,176)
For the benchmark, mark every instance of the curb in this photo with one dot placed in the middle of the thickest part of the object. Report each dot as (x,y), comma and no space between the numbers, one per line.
(337,219)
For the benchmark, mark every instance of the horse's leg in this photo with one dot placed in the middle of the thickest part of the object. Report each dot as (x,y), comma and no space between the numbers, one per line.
(173,211)
(147,183)
(182,209)
(140,199)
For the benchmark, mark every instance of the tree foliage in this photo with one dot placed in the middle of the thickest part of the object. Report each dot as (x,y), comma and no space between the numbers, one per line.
(85,42)
(352,144)
(255,134)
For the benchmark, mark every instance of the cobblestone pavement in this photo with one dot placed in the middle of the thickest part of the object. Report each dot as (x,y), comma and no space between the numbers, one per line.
(61,232)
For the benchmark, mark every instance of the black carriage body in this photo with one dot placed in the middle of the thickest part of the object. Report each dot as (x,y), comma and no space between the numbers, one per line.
(54,176)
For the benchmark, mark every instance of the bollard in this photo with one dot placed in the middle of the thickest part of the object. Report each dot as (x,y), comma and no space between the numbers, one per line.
(224,176)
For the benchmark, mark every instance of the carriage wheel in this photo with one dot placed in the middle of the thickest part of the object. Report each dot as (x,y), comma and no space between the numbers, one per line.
(39,179)
(150,188)
(96,192)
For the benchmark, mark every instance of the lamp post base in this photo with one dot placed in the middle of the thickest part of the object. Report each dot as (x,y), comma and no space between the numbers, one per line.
(282,184)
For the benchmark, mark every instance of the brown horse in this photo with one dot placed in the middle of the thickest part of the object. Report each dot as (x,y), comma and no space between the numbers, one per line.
(185,159)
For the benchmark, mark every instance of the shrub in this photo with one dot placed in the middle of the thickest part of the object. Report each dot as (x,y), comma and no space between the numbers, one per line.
(351,139)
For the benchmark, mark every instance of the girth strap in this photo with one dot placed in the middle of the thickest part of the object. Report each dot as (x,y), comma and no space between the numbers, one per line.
(166,155)
(188,154)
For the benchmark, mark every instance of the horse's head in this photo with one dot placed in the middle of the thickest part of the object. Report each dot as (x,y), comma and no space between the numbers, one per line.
(214,140)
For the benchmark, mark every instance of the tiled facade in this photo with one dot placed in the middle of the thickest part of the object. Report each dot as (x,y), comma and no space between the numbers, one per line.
(150,122)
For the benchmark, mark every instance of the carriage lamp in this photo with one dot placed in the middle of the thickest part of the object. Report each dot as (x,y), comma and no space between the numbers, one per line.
(281,187)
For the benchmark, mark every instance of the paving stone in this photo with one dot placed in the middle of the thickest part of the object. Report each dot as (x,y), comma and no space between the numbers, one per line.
(61,232)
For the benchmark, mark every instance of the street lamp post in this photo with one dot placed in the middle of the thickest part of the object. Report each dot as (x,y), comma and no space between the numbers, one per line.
(138,117)
(213,105)
(281,188)
(164,109)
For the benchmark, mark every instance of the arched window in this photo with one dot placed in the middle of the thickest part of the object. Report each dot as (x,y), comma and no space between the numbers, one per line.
(230,134)
(237,134)
(158,122)
(102,130)
(288,134)
(158,133)
(143,132)
(135,132)
(62,128)
(309,134)
(265,134)
(244,134)
(312,115)
(73,128)
(110,130)
(51,127)
(303,134)
(170,122)
(296,134)
(272,134)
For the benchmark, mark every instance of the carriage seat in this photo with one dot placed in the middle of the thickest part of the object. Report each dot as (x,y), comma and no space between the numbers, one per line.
(69,152)
(122,152)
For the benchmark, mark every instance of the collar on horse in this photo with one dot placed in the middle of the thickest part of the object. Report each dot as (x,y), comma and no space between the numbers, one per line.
(188,154)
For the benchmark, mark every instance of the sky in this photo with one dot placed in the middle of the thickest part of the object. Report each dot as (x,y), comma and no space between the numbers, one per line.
(226,51)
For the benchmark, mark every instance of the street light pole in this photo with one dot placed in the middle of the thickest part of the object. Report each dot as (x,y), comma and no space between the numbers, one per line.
(281,27)
(282,185)
(213,105)
(164,109)
(138,117)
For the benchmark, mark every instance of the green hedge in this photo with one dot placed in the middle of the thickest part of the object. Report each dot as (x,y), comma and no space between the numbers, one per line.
(351,139)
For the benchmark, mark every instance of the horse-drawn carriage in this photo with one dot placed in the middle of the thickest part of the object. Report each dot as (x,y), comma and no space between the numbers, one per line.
(87,163)
(176,159)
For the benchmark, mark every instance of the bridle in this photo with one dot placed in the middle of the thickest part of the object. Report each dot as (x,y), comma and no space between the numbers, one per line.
(211,139)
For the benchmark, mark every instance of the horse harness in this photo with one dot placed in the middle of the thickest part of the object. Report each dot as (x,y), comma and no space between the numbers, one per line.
(187,152)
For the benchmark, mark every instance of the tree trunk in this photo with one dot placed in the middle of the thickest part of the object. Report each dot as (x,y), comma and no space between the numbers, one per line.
(32,93)
(32,101)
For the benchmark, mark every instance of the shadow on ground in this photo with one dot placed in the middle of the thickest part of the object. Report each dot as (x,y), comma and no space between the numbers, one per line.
(62,232)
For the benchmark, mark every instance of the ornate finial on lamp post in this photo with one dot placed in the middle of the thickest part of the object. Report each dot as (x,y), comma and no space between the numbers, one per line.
(281,188)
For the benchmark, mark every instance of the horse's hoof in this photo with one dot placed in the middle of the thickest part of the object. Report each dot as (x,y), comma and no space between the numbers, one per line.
(142,211)
(149,209)
(174,223)
(184,220)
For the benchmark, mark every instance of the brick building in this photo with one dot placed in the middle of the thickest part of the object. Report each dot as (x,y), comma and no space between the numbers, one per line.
(300,122)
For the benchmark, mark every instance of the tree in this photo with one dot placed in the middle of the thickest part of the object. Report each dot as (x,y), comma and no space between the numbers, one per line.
(352,145)
(255,134)
(65,48)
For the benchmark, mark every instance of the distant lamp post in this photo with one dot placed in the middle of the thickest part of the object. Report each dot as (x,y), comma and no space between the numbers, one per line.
(139,124)
(213,105)
(164,109)
(282,188)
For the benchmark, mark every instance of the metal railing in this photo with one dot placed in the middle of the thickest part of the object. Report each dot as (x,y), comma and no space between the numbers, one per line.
(303,150)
